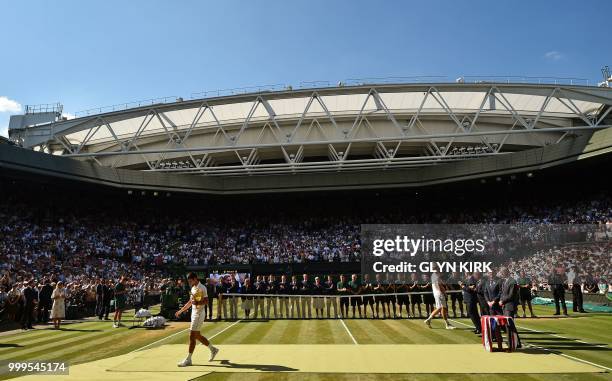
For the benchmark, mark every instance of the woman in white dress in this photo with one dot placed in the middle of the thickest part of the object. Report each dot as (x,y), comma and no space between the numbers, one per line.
(58,312)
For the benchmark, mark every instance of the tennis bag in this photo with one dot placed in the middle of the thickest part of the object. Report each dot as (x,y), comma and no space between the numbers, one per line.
(154,322)
(494,328)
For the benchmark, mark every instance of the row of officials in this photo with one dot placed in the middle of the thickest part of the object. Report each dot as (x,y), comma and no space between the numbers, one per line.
(479,294)
(296,297)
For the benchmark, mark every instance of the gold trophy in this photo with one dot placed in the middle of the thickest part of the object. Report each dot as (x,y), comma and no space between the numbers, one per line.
(198,296)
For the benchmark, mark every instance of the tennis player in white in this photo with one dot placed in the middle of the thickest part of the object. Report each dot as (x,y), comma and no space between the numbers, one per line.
(439,291)
(197,301)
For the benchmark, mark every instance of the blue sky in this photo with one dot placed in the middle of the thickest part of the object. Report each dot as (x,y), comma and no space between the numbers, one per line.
(95,53)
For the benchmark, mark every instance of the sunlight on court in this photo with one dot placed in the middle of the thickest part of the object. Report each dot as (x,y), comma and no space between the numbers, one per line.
(160,363)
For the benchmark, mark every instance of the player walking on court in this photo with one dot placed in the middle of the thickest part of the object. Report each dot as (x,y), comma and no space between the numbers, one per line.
(198,299)
(439,292)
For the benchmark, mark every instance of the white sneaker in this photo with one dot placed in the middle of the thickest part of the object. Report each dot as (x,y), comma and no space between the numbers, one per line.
(450,327)
(184,363)
(427,323)
(115,325)
(213,353)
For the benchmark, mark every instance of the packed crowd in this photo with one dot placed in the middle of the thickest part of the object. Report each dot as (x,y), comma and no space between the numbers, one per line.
(98,243)
(89,243)
(588,264)
(74,240)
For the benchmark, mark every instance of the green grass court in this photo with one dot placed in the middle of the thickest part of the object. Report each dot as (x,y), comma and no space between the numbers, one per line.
(575,348)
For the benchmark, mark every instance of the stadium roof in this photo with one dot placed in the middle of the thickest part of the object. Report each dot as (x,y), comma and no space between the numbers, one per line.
(343,128)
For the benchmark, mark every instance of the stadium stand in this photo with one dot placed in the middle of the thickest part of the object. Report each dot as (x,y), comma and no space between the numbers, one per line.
(48,234)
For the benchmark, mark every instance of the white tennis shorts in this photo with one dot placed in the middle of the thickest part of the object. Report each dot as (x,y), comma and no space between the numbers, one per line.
(197,318)
(440,300)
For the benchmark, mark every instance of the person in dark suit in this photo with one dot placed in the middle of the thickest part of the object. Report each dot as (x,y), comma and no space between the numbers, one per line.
(44,301)
(109,295)
(306,299)
(272,299)
(30,299)
(509,294)
(234,288)
(481,286)
(471,299)
(260,288)
(100,298)
(590,285)
(222,288)
(211,290)
(368,289)
(456,297)
(294,291)
(331,301)
(558,281)
(354,287)
(525,283)
(318,302)
(415,298)
(379,288)
(575,281)
(492,294)
(284,289)
(343,290)
(247,301)
(428,298)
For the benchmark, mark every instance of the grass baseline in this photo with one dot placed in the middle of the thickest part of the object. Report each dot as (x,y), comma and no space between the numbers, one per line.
(571,336)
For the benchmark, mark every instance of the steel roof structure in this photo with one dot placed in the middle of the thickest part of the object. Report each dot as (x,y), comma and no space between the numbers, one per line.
(343,128)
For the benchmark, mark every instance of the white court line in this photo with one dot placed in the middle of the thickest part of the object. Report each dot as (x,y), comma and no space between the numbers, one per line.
(184,330)
(458,322)
(225,329)
(548,350)
(563,337)
(571,357)
(160,340)
(349,332)
(549,334)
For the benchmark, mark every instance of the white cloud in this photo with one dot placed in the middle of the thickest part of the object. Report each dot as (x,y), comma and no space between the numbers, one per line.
(553,55)
(4,121)
(9,105)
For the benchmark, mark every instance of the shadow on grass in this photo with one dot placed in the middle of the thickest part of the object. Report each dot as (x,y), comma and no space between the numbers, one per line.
(534,351)
(76,330)
(8,345)
(258,367)
(571,345)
